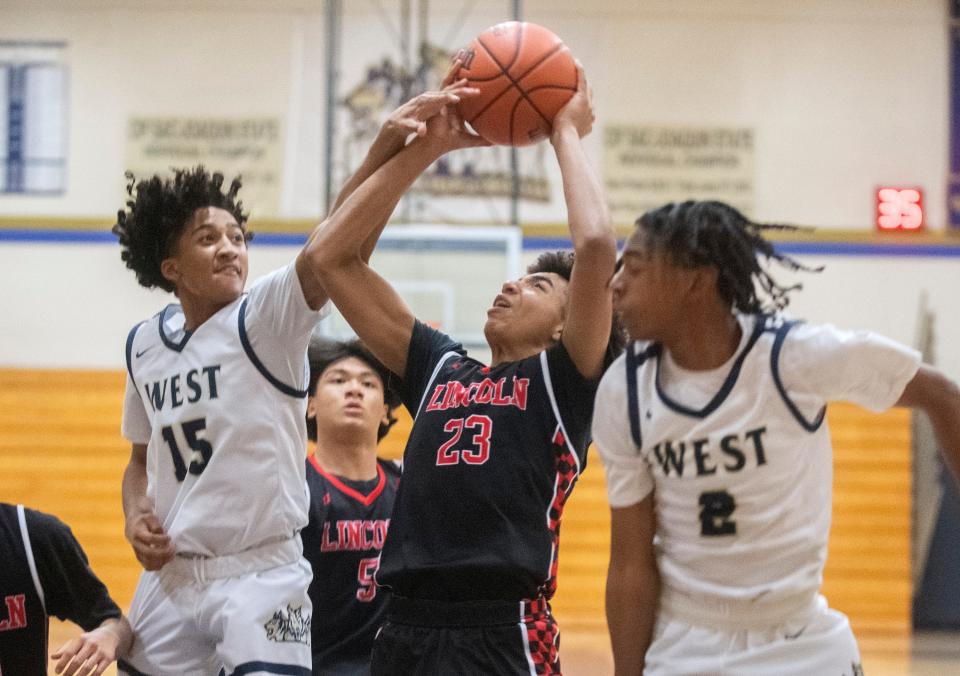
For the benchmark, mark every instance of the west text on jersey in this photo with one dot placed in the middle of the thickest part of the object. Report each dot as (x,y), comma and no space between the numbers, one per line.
(454,394)
(189,387)
(355,535)
(705,458)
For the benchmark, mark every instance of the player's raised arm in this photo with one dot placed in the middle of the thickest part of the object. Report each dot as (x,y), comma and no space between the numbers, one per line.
(587,327)
(409,120)
(339,248)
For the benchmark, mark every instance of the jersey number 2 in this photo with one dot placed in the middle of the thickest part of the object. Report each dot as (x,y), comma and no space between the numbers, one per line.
(715,510)
(191,431)
(447,455)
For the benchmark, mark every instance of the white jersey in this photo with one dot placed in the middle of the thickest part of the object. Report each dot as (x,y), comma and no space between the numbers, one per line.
(739,457)
(221,410)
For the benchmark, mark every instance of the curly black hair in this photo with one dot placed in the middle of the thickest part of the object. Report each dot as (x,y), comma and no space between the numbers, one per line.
(713,233)
(323,352)
(158,211)
(561,263)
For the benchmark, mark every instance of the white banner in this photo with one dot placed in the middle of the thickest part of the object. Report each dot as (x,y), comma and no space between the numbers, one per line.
(648,166)
(249,147)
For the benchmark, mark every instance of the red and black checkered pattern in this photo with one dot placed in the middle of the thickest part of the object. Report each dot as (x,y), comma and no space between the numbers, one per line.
(567,472)
(543,636)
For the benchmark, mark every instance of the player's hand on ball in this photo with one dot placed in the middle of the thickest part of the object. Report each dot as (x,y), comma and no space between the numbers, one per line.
(578,111)
(445,129)
(411,118)
(145,533)
(89,654)
(446,132)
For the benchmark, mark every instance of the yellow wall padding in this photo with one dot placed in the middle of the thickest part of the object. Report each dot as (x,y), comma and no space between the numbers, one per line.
(61,452)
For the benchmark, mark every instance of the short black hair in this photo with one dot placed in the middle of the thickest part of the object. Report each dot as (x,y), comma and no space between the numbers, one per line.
(323,352)
(157,212)
(561,263)
(692,234)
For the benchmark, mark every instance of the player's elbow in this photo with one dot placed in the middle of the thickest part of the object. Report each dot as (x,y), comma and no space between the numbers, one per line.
(947,400)
(325,255)
(597,247)
(932,391)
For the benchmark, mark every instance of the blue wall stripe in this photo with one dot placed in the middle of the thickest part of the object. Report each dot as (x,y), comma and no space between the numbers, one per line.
(57,236)
(932,250)
(869,249)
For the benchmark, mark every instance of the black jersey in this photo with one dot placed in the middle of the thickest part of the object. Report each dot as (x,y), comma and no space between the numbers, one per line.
(347,528)
(491,459)
(43,572)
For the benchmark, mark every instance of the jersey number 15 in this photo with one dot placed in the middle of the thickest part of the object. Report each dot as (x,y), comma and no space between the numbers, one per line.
(191,433)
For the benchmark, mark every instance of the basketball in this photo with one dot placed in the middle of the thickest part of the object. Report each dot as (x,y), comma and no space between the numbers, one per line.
(525,74)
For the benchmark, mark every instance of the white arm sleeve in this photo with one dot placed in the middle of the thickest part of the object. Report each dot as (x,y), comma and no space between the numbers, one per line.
(629,479)
(135,426)
(279,322)
(861,367)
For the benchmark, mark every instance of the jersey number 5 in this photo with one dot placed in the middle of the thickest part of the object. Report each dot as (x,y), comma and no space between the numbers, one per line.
(368,587)
(447,455)
(191,431)
(715,510)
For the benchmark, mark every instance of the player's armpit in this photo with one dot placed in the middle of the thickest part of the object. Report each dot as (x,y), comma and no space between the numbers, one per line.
(313,291)
(633,585)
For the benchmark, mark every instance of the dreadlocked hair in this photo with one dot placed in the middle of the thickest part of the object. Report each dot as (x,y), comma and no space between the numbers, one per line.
(711,233)
(561,263)
(157,212)
(323,352)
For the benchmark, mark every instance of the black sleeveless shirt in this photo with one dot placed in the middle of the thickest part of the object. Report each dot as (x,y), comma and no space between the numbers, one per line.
(492,457)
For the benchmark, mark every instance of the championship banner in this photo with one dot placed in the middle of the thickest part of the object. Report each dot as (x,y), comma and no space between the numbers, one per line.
(646,166)
(249,147)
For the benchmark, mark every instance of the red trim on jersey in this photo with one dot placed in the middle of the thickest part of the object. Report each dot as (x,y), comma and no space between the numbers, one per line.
(566,467)
(365,500)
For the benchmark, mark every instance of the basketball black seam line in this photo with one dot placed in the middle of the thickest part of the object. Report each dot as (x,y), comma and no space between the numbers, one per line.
(535,89)
(510,84)
(514,83)
(503,69)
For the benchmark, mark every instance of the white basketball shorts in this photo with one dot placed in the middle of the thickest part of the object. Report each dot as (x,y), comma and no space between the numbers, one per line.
(201,615)
(816,643)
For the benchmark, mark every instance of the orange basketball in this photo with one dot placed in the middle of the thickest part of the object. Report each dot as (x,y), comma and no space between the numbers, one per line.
(525,75)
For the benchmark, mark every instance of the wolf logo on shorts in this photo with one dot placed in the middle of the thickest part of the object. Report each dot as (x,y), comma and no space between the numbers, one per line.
(289,625)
